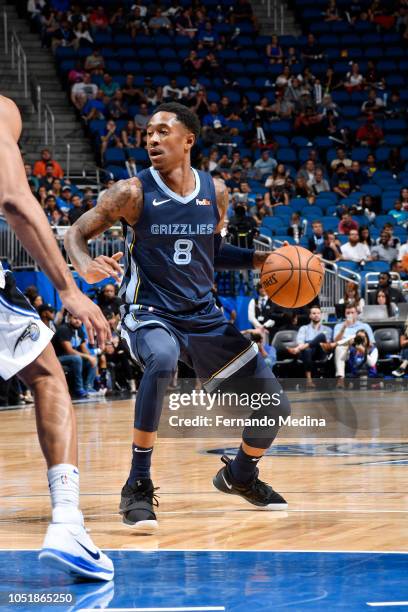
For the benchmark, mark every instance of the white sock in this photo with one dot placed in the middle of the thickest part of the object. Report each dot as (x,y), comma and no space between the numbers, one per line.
(63,480)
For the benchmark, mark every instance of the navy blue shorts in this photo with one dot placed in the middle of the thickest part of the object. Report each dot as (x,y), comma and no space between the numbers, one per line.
(206,341)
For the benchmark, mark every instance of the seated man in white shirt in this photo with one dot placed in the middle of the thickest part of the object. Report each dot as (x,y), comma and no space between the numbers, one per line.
(310,339)
(343,336)
(354,250)
(259,313)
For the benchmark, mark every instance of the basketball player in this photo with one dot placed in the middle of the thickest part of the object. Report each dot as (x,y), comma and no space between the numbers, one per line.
(172,216)
(26,351)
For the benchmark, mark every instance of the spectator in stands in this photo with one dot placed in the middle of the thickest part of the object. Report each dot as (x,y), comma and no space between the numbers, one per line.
(385,282)
(354,250)
(261,312)
(118,20)
(311,51)
(403,197)
(64,37)
(332,13)
(383,298)
(395,163)
(109,86)
(83,91)
(31,178)
(328,105)
(307,171)
(94,63)
(370,134)
(309,123)
(352,297)
(370,167)
(142,118)
(82,33)
(403,251)
(207,36)
(132,94)
(76,210)
(130,136)
(47,316)
(344,335)
(171,92)
(383,251)
(265,165)
(96,108)
(319,184)
(108,299)
(64,199)
(331,247)
(357,175)
(341,181)
(400,371)
(243,12)
(110,138)
(117,107)
(364,236)
(366,207)
(274,51)
(396,109)
(301,188)
(159,22)
(309,341)
(48,180)
(70,345)
(393,241)
(40,166)
(296,228)
(374,104)
(278,177)
(341,159)
(316,239)
(98,20)
(354,79)
(400,216)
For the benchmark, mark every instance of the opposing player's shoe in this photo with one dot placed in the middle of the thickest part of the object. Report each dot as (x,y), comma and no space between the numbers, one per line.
(137,506)
(68,548)
(255,492)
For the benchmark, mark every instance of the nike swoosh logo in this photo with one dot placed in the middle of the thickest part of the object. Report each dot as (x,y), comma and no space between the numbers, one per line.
(156,203)
(228,485)
(94,555)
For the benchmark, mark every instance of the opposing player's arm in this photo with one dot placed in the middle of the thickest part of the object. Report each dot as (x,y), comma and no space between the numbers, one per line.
(124,200)
(227,256)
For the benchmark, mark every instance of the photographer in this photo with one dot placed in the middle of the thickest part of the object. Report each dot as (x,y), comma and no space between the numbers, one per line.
(242,226)
(362,357)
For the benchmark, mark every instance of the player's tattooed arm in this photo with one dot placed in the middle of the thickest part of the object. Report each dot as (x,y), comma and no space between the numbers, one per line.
(124,200)
(221,193)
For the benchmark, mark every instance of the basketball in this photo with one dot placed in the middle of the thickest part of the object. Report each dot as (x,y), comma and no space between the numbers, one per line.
(292,276)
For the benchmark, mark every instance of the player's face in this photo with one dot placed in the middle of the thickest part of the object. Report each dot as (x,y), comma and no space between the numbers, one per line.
(168,141)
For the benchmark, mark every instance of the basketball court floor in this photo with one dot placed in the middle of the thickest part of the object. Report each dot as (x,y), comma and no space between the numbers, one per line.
(342,543)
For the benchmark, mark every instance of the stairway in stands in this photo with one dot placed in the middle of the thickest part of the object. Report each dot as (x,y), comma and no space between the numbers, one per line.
(268,25)
(41,65)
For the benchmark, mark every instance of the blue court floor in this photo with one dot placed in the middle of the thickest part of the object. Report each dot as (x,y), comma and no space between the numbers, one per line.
(199,581)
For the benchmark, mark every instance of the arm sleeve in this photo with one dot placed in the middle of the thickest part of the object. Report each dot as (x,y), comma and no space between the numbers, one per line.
(229,257)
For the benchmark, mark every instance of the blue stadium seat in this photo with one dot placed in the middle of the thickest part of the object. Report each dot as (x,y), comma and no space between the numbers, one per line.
(349,265)
(114,156)
(276,225)
(286,156)
(381,219)
(330,223)
(283,212)
(139,154)
(298,203)
(376,266)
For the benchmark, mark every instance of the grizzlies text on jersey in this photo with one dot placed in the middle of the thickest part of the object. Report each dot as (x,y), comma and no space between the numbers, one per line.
(170,250)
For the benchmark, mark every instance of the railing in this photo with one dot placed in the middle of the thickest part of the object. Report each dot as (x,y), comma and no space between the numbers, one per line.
(49,126)
(5,31)
(68,161)
(19,61)
(276,10)
(36,100)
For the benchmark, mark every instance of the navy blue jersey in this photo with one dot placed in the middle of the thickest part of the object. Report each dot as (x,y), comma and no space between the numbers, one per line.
(170,250)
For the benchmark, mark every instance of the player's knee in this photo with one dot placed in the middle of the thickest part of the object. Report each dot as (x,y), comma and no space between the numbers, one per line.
(163,360)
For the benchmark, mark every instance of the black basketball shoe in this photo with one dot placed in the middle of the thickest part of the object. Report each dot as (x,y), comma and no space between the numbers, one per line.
(136,506)
(255,492)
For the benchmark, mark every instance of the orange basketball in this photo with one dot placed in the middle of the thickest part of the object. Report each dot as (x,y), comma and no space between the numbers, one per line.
(292,276)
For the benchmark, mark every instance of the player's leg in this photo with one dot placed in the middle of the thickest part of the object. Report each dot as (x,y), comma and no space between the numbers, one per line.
(240,476)
(158,352)
(67,545)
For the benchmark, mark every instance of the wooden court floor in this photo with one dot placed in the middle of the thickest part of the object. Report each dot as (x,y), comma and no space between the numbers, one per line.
(337,501)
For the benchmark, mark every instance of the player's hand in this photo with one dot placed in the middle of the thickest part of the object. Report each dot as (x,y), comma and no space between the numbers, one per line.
(90,314)
(103,267)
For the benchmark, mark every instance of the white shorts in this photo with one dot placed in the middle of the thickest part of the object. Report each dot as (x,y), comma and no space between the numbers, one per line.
(23,336)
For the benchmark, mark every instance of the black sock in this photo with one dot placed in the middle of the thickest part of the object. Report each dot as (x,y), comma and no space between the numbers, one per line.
(244,466)
(141,461)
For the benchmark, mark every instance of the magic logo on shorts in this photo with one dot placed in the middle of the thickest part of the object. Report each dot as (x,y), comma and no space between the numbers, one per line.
(32,331)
